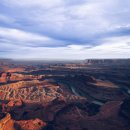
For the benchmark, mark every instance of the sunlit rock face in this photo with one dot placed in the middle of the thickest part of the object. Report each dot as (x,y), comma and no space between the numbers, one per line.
(35,91)
(7,123)
(34,124)
(13,77)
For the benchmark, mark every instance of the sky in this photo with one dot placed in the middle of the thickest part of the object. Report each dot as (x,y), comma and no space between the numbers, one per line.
(64,29)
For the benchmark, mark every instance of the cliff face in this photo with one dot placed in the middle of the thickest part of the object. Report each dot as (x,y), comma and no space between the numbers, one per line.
(93,88)
(106,61)
(6,123)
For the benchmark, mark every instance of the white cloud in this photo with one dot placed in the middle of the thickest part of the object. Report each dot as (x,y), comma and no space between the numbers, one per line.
(63,23)
(20,35)
(105,50)
(75,19)
(68,19)
(22,38)
(78,47)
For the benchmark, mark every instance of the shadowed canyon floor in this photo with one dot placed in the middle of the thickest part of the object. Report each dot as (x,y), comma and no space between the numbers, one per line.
(83,95)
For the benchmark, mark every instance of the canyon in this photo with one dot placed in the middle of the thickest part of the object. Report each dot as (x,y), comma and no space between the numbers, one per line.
(82,95)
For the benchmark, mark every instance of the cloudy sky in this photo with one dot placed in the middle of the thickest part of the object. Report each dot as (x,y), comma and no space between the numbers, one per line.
(64,29)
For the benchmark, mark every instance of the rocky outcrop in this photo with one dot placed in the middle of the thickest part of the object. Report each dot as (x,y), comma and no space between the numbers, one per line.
(35,124)
(34,90)
(9,77)
(6,123)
